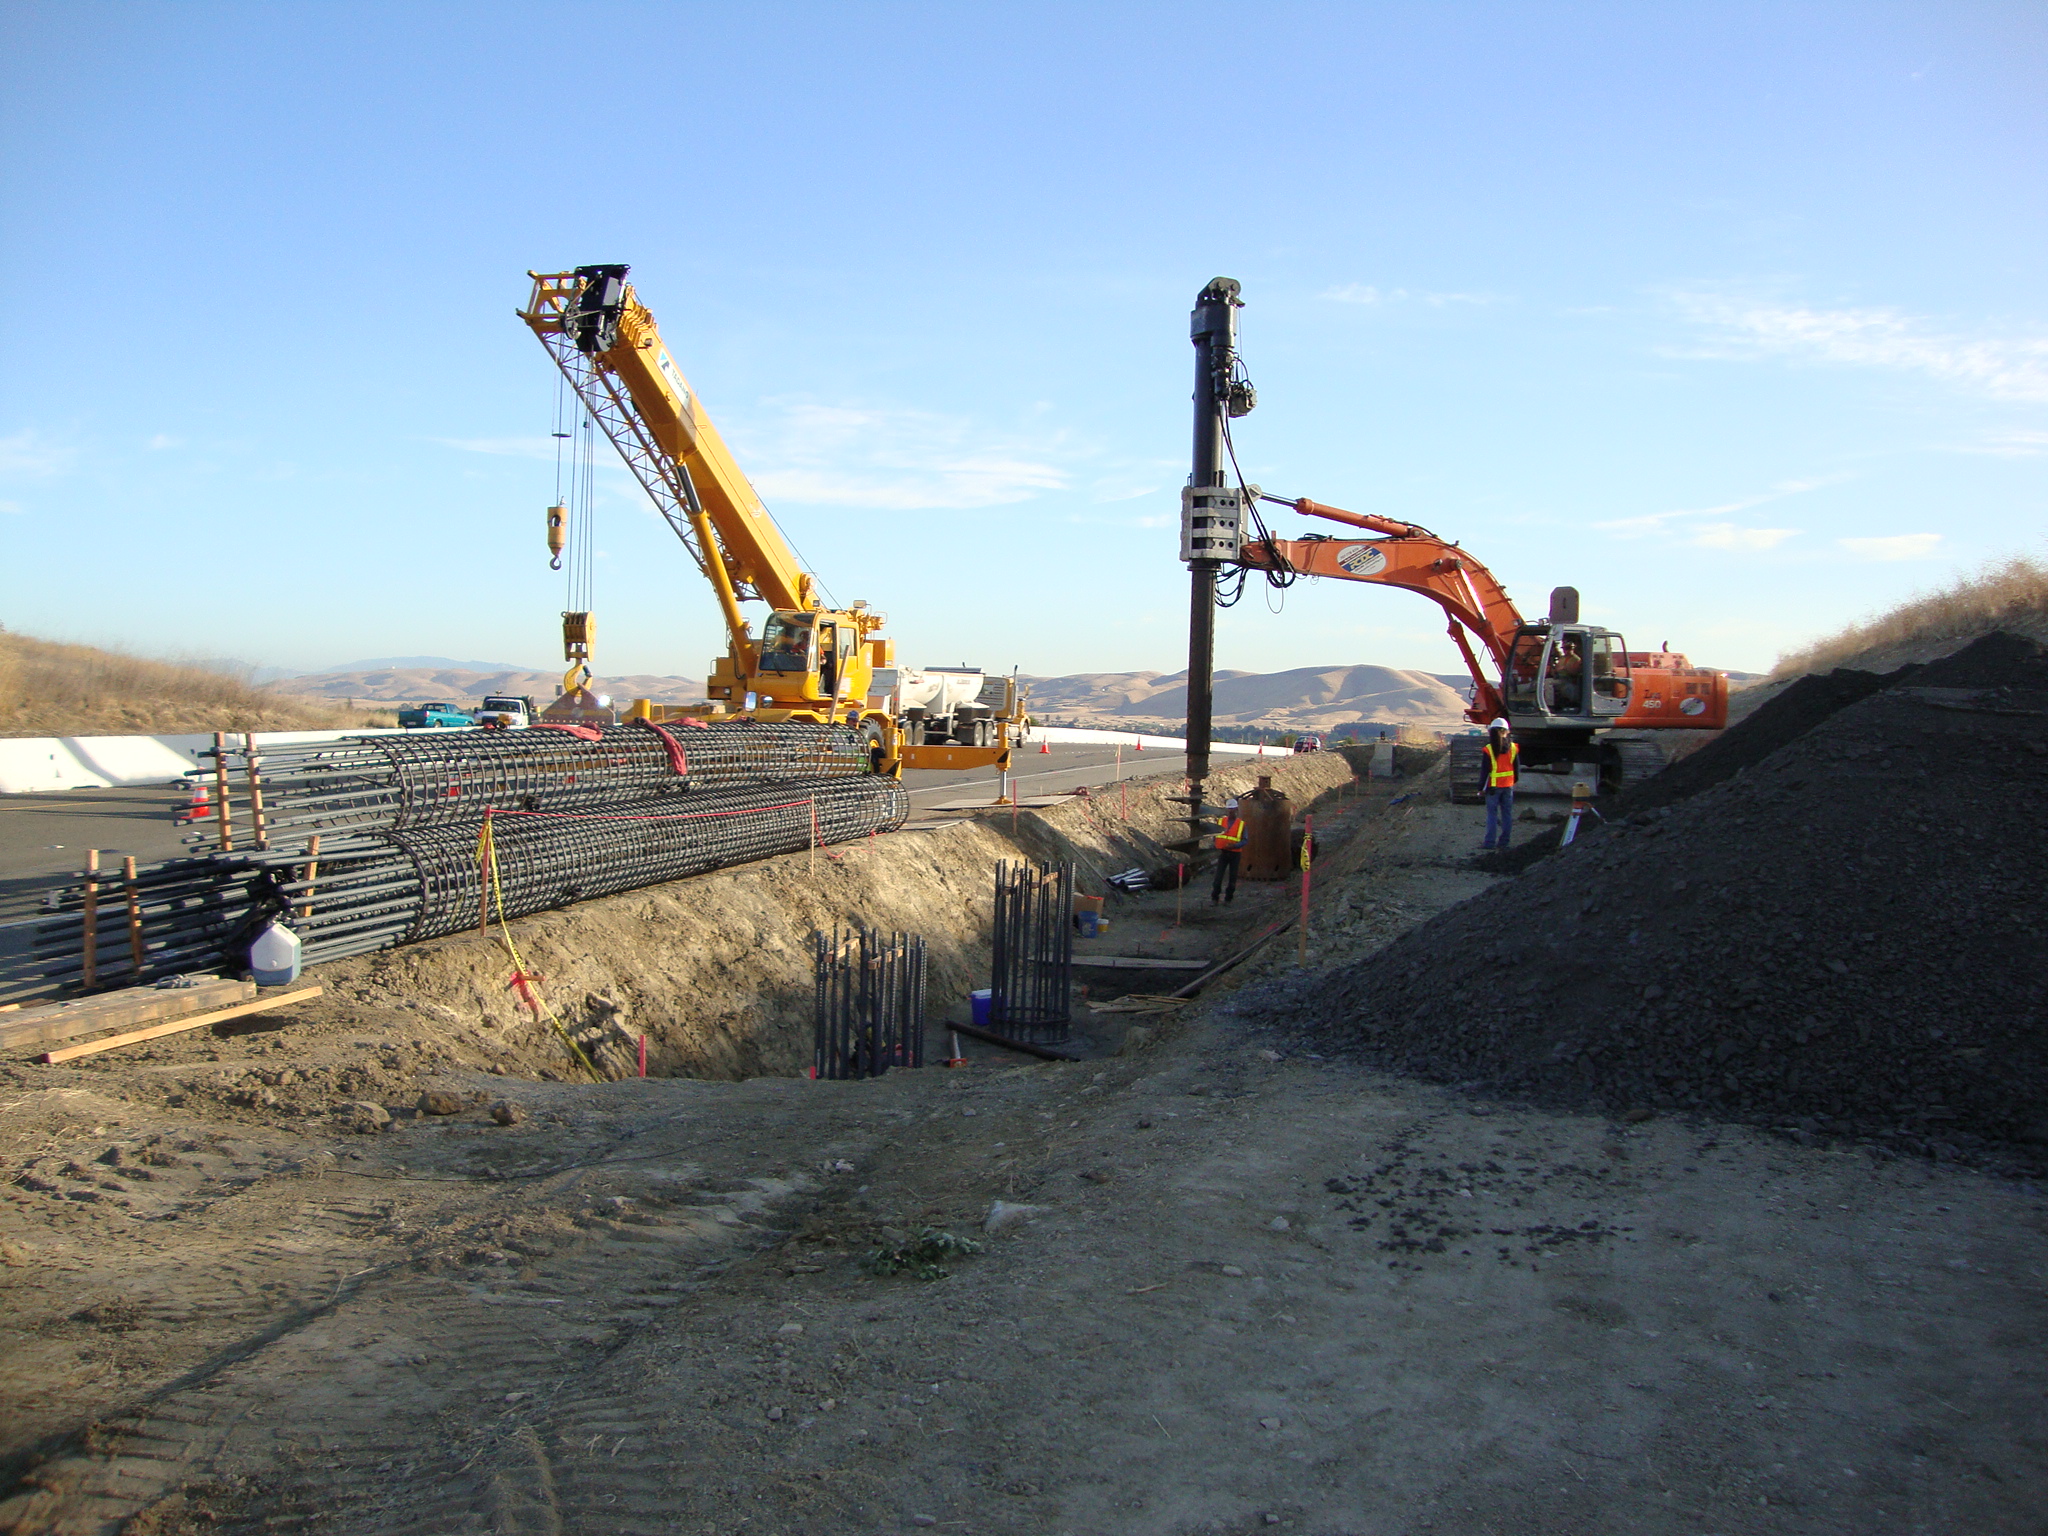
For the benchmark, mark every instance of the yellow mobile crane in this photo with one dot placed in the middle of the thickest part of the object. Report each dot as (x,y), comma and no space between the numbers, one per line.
(809,662)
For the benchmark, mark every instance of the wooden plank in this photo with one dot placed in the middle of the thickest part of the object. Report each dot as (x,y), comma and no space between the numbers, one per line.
(50,1022)
(156,1031)
(1047,1052)
(1137,963)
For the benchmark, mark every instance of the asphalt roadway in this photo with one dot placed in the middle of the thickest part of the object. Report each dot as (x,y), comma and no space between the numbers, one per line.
(44,837)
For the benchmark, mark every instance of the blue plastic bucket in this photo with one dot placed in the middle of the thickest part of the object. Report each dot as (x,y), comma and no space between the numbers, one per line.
(984,1006)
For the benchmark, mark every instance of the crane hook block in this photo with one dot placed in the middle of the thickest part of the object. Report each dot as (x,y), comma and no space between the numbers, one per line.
(558,535)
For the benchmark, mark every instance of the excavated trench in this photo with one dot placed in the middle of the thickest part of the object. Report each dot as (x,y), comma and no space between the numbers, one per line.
(716,972)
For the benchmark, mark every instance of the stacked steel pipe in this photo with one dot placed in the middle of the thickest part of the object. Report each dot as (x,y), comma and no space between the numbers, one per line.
(360,846)
(434,779)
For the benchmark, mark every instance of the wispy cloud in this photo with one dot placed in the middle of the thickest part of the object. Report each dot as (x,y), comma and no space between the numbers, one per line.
(860,456)
(894,457)
(1708,527)
(164,440)
(2008,445)
(1369,293)
(1897,546)
(1740,539)
(12,507)
(503,447)
(2004,367)
(31,456)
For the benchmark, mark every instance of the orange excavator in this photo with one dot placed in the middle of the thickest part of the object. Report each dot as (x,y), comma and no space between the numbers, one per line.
(1573,693)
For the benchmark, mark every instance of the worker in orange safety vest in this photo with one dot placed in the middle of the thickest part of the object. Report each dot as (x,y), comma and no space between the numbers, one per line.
(1503,766)
(1229,851)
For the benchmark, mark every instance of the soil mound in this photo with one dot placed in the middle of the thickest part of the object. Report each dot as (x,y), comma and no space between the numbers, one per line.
(1843,934)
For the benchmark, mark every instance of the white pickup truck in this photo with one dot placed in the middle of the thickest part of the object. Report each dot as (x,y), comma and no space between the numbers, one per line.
(502,712)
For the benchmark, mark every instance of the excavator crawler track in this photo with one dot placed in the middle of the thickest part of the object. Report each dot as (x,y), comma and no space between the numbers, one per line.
(1468,770)
(1628,761)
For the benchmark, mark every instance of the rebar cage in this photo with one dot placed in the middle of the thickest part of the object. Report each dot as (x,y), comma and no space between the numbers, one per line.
(365,890)
(367,782)
(1032,985)
(870,1002)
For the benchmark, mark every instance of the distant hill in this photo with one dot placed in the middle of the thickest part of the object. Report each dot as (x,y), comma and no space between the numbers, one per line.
(417,663)
(1303,699)
(459,685)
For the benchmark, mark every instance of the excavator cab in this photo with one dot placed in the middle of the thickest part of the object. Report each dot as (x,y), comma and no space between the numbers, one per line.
(1566,674)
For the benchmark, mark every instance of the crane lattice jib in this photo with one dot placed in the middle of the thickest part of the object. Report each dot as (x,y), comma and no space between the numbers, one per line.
(612,409)
(608,346)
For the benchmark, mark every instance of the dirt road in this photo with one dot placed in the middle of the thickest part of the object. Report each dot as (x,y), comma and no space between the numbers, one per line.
(1255,1291)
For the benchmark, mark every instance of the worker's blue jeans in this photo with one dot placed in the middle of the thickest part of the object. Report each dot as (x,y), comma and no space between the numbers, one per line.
(1500,817)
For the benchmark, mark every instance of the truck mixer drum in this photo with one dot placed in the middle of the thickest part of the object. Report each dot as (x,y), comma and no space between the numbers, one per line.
(1031,988)
(870,1002)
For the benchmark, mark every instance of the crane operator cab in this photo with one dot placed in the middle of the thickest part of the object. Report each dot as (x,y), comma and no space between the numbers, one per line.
(1561,675)
(788,642)
(810,657)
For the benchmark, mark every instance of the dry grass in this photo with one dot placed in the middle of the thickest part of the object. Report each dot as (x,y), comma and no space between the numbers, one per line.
(2007,594)
(48,689)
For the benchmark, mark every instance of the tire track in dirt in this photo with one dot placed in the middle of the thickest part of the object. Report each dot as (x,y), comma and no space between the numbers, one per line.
(329,1396)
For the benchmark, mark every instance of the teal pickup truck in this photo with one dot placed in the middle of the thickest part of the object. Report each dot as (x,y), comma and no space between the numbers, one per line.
(427,716)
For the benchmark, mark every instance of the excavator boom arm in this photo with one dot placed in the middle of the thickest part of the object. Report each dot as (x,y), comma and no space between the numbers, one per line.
(1412,558)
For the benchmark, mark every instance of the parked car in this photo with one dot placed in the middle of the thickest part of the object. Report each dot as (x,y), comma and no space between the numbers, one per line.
(1308,743)
(430,716)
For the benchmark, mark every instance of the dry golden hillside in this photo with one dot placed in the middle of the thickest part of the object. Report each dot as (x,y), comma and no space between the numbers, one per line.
(2009,594)
(48,689)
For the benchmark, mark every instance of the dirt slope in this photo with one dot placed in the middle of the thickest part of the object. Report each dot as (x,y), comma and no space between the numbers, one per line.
(1844,936)
(1260,1291)
(48,689)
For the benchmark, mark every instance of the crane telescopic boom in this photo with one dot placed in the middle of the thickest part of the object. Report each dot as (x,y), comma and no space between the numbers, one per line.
(809,662)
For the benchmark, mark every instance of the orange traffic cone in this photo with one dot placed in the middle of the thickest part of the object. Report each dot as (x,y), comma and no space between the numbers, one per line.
(1042,747)
(1141,743)
(199,809)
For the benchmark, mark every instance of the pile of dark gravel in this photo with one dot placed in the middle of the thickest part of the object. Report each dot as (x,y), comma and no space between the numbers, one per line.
(1844,934)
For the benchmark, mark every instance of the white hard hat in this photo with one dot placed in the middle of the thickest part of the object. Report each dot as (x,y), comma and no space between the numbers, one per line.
(1230,804)
(1498,723)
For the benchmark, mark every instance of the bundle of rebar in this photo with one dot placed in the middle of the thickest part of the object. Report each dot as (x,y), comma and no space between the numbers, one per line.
(870,1002)
(352,892)
(268,791)
(1032,985)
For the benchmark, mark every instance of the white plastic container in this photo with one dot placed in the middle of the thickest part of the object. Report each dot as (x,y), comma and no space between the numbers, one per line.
(274,957)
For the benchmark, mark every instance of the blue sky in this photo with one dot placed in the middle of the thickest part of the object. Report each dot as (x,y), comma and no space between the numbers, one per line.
(1731,315)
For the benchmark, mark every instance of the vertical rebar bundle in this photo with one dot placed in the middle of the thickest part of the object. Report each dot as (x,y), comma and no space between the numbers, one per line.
(870,1002)
(1031,990)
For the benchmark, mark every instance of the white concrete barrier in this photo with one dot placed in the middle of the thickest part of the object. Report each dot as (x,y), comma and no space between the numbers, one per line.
(1070,736)
(29,764)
